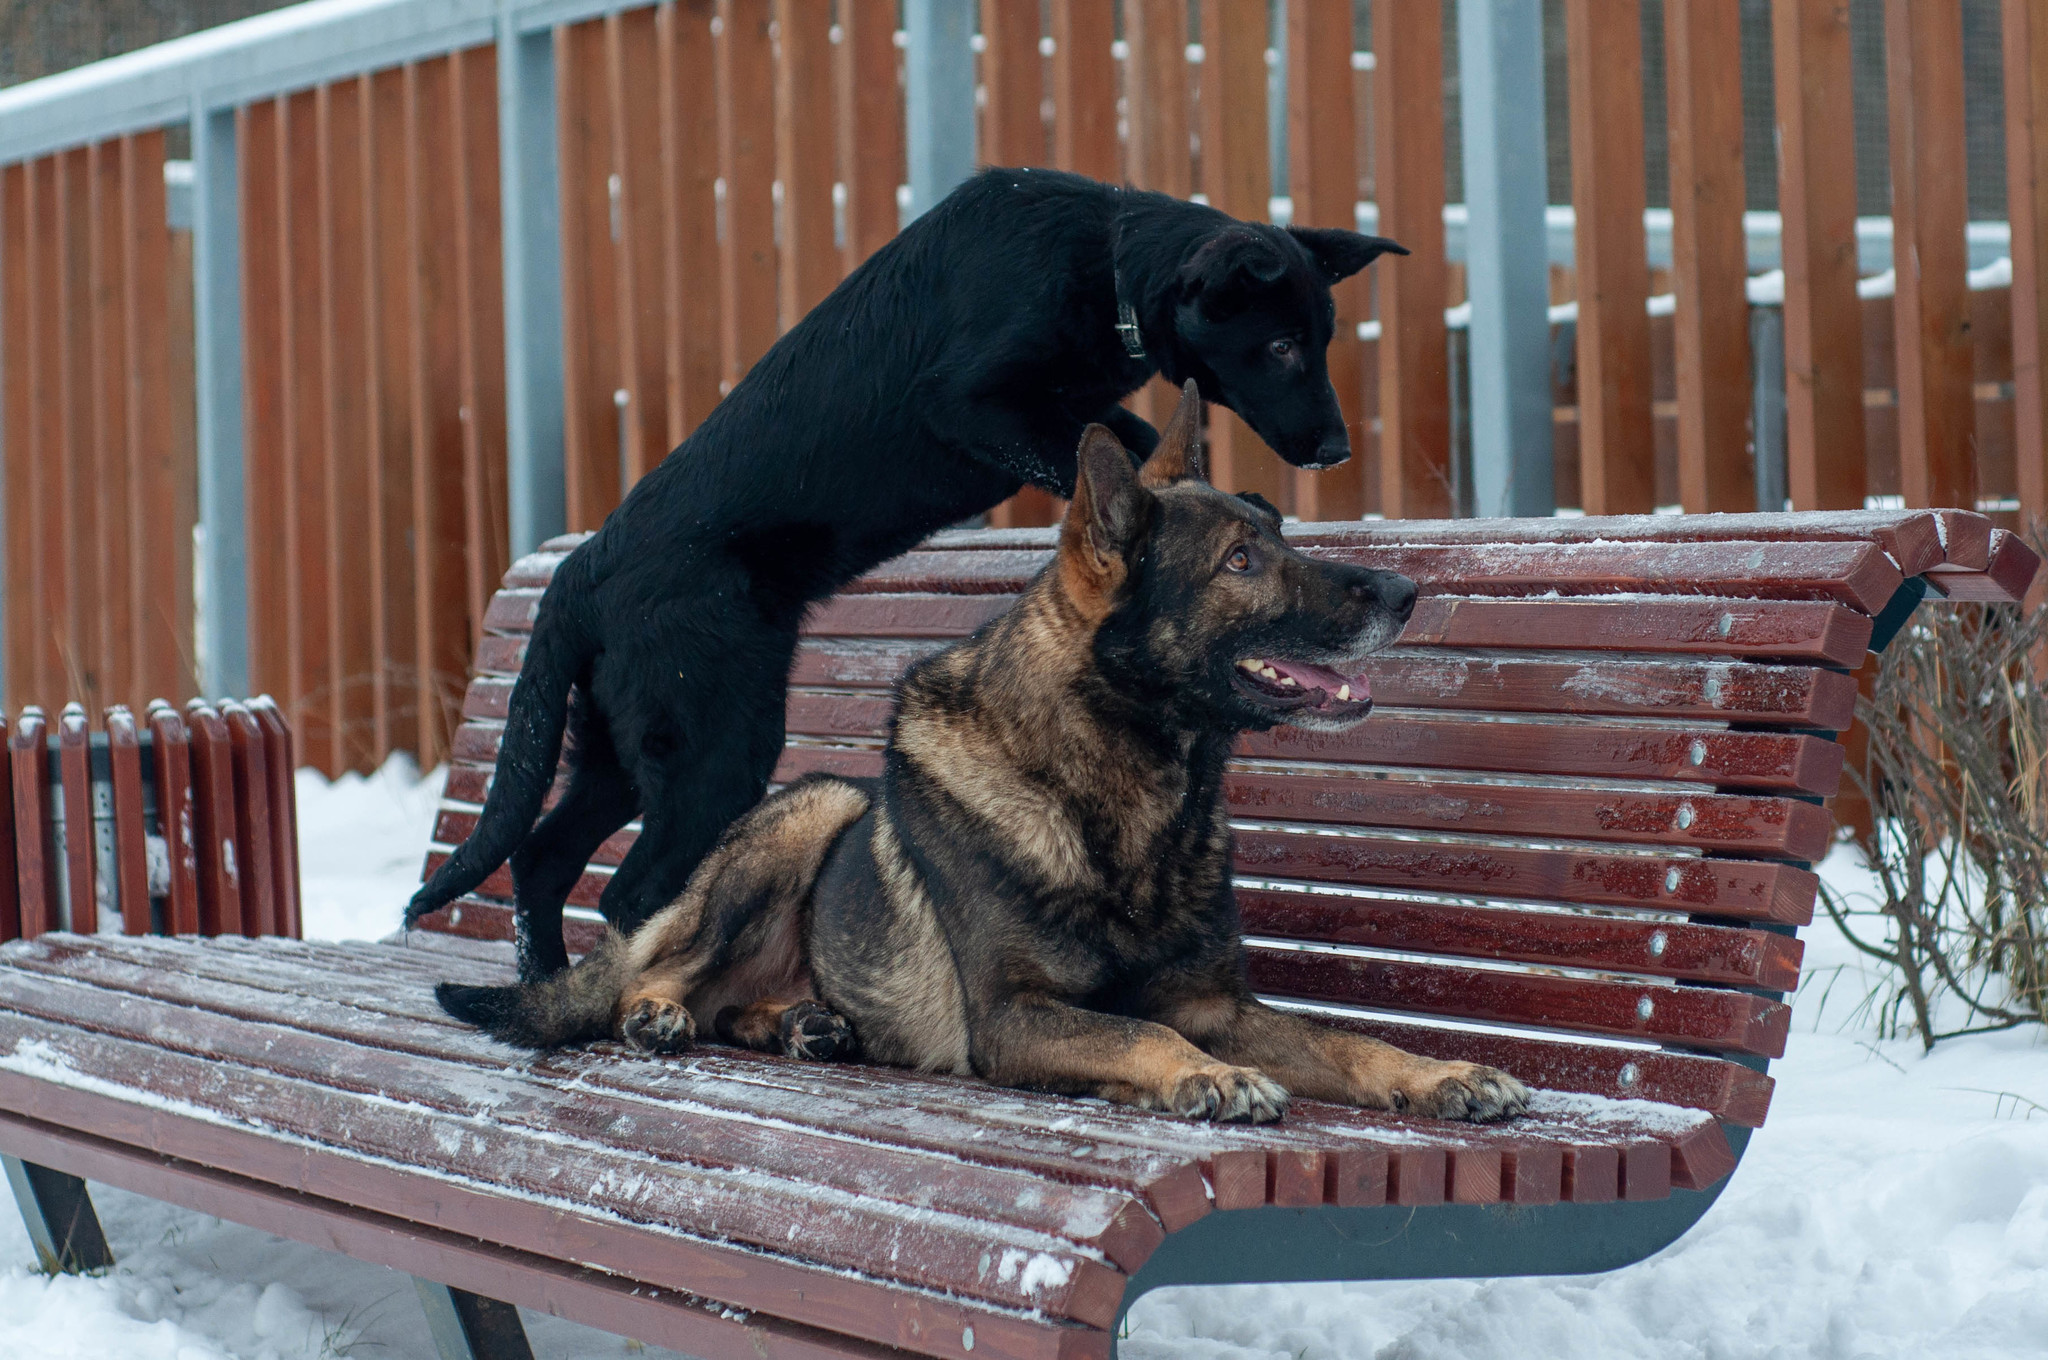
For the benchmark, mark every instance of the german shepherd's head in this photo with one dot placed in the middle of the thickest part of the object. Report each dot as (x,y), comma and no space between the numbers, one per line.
(1203,616)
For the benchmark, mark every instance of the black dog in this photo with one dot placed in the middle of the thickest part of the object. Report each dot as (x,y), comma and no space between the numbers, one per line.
(959,362)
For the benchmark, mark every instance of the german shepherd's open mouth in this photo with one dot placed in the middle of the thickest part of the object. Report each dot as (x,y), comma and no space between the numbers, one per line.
(1038,888)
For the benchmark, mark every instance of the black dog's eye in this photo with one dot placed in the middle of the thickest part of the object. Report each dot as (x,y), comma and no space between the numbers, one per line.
(1282,349)
(1240,559)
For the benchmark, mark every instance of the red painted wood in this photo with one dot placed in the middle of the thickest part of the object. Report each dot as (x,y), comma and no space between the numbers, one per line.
(74,736)
(177,816)
(284,811)
(35,860)
(254,834)
(131,847)
(1656,948)
(213,822)
(10,885)
(2008,573)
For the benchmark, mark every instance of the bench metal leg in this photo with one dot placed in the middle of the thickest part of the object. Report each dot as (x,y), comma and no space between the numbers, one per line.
(58,1211)
(468,1326)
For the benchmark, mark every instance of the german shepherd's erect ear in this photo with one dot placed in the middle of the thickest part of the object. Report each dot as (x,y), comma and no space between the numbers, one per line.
(1179,457)
(1109,513)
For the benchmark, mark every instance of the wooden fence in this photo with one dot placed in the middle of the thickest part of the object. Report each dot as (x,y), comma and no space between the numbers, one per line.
(723,163)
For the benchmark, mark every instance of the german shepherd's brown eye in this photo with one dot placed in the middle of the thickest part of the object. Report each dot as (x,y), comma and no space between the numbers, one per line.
(1240,559)
(1282,349)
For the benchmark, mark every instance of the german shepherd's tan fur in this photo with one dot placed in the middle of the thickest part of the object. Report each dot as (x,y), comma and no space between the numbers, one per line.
(1037,889)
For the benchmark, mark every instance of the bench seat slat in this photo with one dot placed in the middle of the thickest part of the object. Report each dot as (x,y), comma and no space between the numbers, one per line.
(1860,575)
(1697,1017)
(1726,955)
(461,1124)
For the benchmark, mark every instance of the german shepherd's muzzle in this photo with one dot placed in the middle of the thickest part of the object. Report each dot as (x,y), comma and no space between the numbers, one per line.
(1037,889)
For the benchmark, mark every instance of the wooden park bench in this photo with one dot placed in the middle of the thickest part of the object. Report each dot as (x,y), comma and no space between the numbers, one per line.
(1575,841)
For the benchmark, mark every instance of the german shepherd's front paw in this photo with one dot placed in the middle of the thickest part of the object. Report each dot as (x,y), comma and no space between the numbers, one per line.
(653,1025)
(1229,1095)
(1461,1090)
(811,1032)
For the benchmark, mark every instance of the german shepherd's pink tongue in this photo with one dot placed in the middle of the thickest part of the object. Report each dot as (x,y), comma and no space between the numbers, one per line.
(1319,686)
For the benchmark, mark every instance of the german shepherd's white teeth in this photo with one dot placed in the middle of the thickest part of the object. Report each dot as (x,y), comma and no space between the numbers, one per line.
(1285,679)
(1254,665)
(1343,694)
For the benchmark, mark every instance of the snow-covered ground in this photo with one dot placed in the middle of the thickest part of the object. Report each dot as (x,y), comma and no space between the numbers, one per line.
(1894,1205)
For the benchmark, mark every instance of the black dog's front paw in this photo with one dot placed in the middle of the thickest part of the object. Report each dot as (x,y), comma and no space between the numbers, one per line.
(811,1032)
(656,1026)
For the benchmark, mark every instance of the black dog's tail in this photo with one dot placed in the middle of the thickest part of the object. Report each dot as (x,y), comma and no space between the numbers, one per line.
(526,763)
(577,1003)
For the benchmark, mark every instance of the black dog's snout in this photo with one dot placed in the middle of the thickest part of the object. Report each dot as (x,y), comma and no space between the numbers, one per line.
(1332,451)
(1392,592)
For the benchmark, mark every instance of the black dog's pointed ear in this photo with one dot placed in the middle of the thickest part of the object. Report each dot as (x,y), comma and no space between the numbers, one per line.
(1339,253)
(1105,517)
(1225,270)
(1179,455)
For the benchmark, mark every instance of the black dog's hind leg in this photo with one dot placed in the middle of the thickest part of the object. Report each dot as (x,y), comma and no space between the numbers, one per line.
(599,800)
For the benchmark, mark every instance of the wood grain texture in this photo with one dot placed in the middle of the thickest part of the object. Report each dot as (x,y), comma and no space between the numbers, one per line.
(639,264)
(1084,90)
(1408,178)
(1930,206)
(592,373)
(388,498)
(113,628)
(746,160)
(688,107)
(1616,453)
(177,816)
(2025,50)
(1703,87)
(35,856)
(214,830)
(872,148)
(17,425)
(1823,321)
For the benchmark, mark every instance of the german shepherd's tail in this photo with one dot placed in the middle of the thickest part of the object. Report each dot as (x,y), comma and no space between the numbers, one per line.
(576,1004)
(532,744)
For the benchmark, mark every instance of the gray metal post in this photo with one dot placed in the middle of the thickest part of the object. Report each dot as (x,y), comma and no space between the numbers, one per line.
(1500,71)
(57,1209)
(468,1326)
(939,74)
(1767,405)
(537,496)
(217,355)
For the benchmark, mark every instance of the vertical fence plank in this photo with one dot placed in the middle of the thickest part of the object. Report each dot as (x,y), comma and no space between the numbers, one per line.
(1930,205)
(440,561)
(1156,119)
(1013,133)
(1322,153)
(74,770)
(17,428)
(1817,201)
(284,815)
(45,448)
(171,750)
(591,370)
(162,487)
(35,861)
(1237,177)
(688,102)
(873,148)
(746,159)
(1408,181)
(213,822)
(77,512)
(131,848)
(480,332)
(1617,454)
(348,363)
(632,85)
(1703,81)
(1084,136)
(394,698)
(304,483)
(265,307)
(2026,177)
(809,261)
(114,607)
(10,883)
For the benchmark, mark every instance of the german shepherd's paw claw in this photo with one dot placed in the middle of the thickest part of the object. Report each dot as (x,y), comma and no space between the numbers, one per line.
(1228,1095)
(811,1032)
(1471,1092)
(655,1026)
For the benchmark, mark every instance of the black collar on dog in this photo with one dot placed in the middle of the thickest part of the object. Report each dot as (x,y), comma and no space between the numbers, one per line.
(1126,315)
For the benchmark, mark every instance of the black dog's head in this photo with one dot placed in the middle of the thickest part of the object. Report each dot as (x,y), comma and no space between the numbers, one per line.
(1205,615)
(1252,324)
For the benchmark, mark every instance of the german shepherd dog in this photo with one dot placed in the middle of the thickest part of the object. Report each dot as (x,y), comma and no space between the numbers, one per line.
(1037,889)
(958,363)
